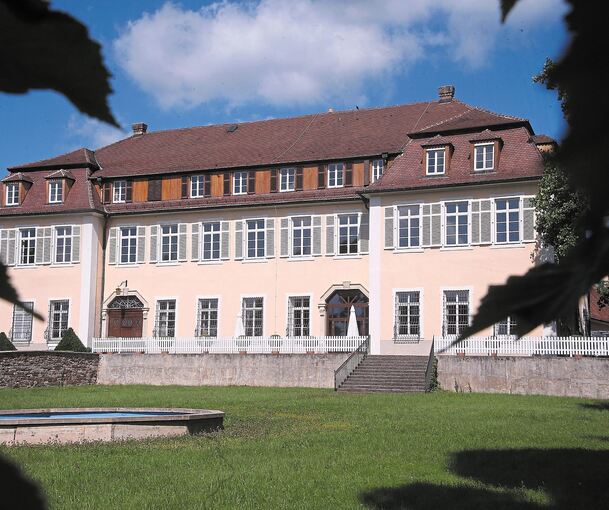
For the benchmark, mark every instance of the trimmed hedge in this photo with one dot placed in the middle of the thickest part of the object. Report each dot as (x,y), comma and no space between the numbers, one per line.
(5,343)
(71,342)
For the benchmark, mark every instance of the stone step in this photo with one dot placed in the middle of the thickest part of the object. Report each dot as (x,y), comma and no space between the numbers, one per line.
(380,390)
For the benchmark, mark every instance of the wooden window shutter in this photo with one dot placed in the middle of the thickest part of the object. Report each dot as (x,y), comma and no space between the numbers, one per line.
(154,189)
(349,174)
(106,193)
(185,180)
(321,176)
(207,185)
(274,173)
(226,183)
(128,190)
(251,182)
(299,178)
(366,172)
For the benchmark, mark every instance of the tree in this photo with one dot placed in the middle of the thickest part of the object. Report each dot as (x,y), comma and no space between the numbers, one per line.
(70,342)
(5,343)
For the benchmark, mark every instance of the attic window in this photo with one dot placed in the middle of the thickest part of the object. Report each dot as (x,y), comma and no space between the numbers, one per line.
(12,193)
(232,128)
(484,156)
(435,161)
(55,191)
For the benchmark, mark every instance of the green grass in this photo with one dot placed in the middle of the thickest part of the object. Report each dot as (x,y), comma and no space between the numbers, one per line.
(303,448)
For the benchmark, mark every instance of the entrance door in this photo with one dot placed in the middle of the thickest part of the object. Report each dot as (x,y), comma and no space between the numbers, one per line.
(338,308)
(125,317)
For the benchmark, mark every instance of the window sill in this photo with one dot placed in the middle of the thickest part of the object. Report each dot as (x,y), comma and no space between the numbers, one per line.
(407,340)
(301,259)
(62,264)
(456,248)
(483,171)
(27,266)
(347,257)
(508,246)
(209,262)
(408,250)
(168,264)
(126,265)
(255,261)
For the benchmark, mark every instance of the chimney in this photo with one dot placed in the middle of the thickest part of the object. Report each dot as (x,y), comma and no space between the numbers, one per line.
(446,93)
(330,110)
(139,128)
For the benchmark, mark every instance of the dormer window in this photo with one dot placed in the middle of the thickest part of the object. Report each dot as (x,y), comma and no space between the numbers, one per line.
(435,161)
(197,186)
(119,192)
(55,191)
(12,193)
(335,175)
(484,156)
(287,179)
(377,169)
(240,182)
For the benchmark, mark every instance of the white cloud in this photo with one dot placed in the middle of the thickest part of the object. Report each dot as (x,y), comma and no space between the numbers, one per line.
(86,132)
(305,51)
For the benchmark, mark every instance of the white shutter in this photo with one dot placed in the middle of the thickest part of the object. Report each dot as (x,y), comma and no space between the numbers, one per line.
(75,244)
(528,219)
(196,242)
(38,246)
(141,245)
(239,240)
(486,222)
(182,239)
(154,239)
(285,237)
(12,247)
(112,244)
(224,240)
(4,246)
(330,227)
(432,224)
(47,236)
(364,232)
(269,238)
(316,220)
(475,221)
(389,227)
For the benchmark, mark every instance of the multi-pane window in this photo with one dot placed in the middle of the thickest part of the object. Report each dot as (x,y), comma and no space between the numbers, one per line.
(483,156)
(506,327)
(22,322)
(377,169)
(407,315)
(197,186)
(63,245)
(301,236)
(12,193)
(59,312)
(128,245)
(207,323)
(169,243)
(165,318)
(435,161)
(119,194)
(252,314)
(27,251)
(507,220)
(299,316)
(55,192)
(335,175)
(240,183)
(211,240)
(255,239)
(348,234)
(457,219)
(287,179)
(409,226)
(456,311)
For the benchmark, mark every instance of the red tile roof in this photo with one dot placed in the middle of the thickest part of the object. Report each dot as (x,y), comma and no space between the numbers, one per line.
(78,158)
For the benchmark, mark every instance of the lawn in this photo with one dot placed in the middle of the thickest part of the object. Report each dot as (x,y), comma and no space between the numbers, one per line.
(307,448)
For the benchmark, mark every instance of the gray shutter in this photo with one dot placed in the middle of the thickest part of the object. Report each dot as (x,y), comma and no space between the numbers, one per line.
(389,242)
(239,240)
(270,237)
(141,244)
(47,236)
(38,247)
(285,237)
(436,224)
(316,235)
(112,242)
(475,215)
(4,246)
(426,220)
(528,219)
(76,244)
(486,231)
(364,233)
(196,244)
(12,247)
(224,240)
(182,240)
(154,239)
(329,234)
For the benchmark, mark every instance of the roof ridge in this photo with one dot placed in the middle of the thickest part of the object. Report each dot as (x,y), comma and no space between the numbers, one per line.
(486,110)
(439,123)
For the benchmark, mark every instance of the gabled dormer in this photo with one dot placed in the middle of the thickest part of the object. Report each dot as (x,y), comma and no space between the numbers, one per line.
(58,185)
(15,188)
(485,151)
(437,155)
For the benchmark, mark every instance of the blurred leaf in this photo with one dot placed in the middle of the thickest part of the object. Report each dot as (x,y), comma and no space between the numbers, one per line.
(45,49)
(506,7)
(8,293)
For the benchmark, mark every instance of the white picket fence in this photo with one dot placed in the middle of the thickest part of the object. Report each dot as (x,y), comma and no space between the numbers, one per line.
(526,346)
(230,345)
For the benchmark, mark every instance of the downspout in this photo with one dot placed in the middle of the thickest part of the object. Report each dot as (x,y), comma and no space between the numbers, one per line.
(103,273)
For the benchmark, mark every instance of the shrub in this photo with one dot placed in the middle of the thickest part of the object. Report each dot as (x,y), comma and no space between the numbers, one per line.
(5,343)
(71,342)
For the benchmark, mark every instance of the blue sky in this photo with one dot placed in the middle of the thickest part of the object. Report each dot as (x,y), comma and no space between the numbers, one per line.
(193,63)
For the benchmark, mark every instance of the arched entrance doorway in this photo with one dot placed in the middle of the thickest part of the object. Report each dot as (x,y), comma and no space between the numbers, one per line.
(125,317)
(338,307)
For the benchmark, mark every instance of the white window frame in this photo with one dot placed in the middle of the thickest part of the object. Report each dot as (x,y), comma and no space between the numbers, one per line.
(66,240)
(27,312)
(409,218)
(376,169)
(157,317)
(287,179)
(485,160)
(56,338)
(240,179)
(336,175)
(302,229)
(210,238)
(197,186)
(409,337)
(510,322)
(55,191)
(258,231)
(497,212)
(12,194)
(432,156)
(443,302)
(337,226)
(31,246)
(290,326)
(130,237)
(244,317)
(119,192)
(458,215)
(173,242)
(200,312)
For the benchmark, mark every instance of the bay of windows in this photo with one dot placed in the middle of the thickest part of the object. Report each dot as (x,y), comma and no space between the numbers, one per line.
(299,316)
(55,192)
(483,156)
(287,179)
(169,243)
(63,245)
(165,318)
(252,313)
(12,194)
(348,234)
(301,236)
(128,246)
(435,161)
(207,323)
(507,220)
(456,312)
(211,240)
(457,219)
(377,169)
(240,183)
(407,315)
(27,251)
(335,175)
(58,319)
(409,226)
(255,239)
(197,186)
(119,195)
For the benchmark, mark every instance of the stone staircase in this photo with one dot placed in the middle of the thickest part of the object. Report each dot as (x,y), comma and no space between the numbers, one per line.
(388,374)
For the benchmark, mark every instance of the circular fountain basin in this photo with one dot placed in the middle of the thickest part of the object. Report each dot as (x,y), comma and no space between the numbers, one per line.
(75,425)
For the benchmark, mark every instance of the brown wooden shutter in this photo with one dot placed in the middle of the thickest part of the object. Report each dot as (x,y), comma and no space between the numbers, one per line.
(321,176)
(207,185)
(185,186)
(299,178)
(227,183)
(128,190)
(155,189)
(274,173)
(349,174)
(251,182)
(106,193)
(366,172)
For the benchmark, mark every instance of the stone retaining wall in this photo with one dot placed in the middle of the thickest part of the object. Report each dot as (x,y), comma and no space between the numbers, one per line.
(295,370)
(26,369)
(537,375)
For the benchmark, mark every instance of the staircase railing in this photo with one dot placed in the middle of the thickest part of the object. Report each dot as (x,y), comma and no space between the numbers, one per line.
(430,363)
(351,363)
